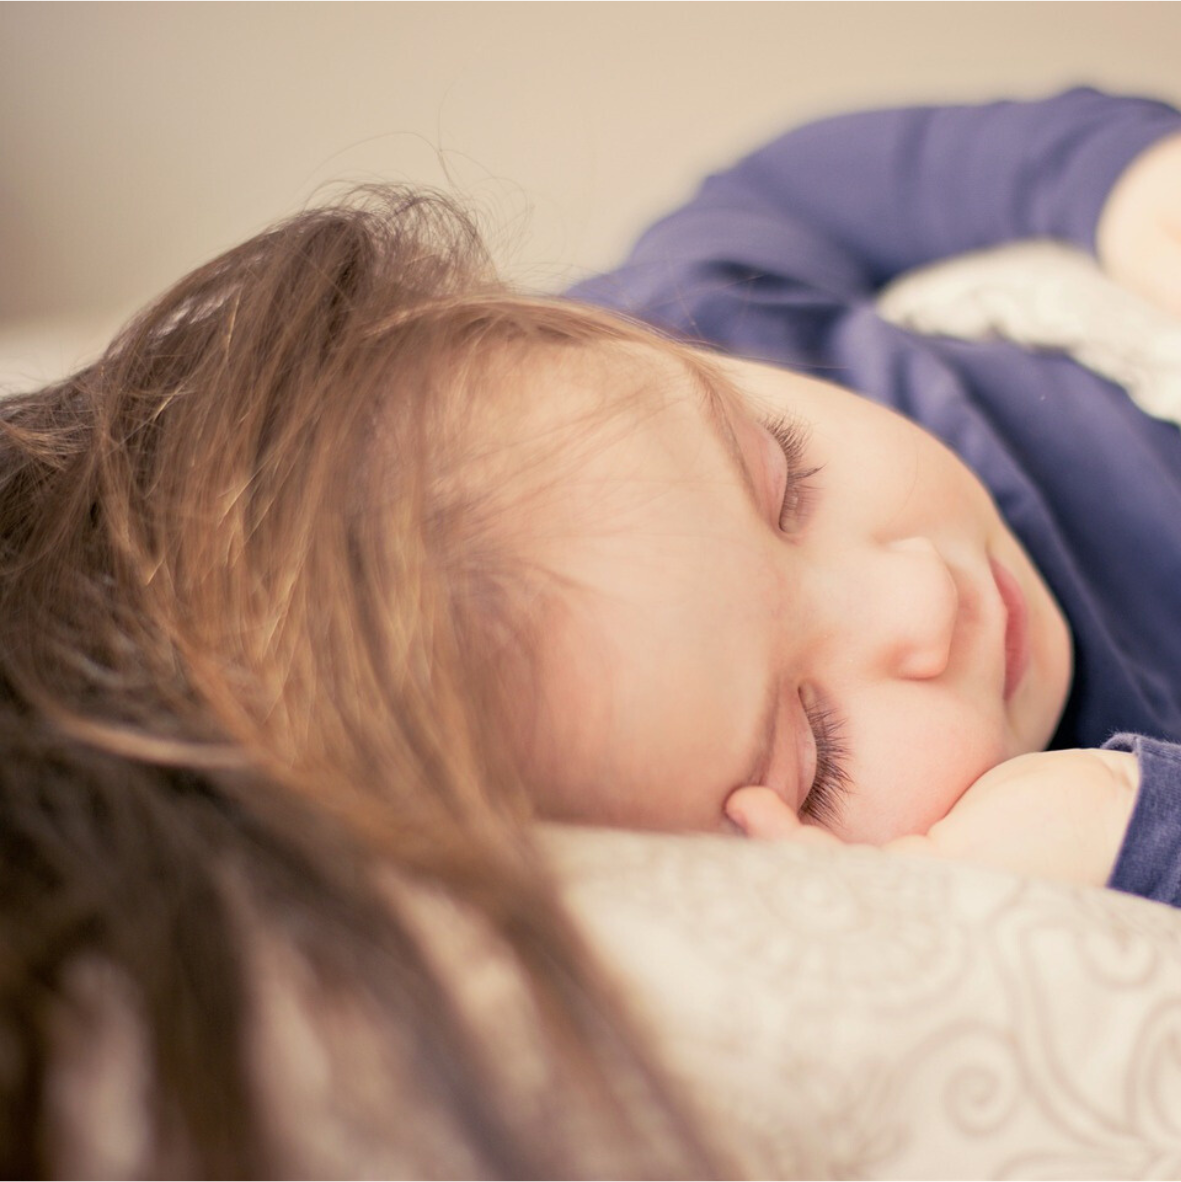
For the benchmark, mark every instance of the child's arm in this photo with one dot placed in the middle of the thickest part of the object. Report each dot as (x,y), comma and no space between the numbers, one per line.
(898,189)
(1149,862)
(1098,817)
(1055,814)
(770,252)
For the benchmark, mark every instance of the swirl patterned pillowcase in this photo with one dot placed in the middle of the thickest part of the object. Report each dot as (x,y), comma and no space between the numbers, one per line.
(868,1016)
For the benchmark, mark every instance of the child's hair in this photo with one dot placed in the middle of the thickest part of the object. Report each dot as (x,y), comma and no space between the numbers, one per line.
(251,622)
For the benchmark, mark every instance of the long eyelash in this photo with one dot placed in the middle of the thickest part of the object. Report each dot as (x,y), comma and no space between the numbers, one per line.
(827,794)
(792,438)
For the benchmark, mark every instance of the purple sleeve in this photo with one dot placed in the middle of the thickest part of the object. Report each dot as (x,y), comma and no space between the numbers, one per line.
(1149,862)
(827,213)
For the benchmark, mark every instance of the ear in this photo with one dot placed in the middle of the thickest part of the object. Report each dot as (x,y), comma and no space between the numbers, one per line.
(763,814)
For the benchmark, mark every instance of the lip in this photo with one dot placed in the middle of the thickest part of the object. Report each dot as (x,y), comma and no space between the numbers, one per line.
(1017,639)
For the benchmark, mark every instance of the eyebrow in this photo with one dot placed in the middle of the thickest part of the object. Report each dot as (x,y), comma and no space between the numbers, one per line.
(762,747)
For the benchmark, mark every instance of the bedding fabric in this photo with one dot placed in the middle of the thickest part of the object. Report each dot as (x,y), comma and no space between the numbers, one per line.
(780,259)
(1047,295)
(856,1014)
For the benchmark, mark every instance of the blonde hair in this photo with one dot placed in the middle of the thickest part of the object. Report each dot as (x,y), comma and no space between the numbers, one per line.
(250,616)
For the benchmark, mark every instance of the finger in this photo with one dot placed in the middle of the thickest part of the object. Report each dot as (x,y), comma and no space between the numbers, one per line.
(762,814)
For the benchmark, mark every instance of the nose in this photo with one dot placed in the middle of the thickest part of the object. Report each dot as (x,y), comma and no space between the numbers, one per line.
(896,609)
(927,612)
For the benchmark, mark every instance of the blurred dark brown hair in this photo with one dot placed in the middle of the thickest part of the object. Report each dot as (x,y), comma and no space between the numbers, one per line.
(253,624)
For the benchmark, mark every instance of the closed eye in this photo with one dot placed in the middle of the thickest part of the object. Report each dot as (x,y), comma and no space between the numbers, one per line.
(799,489)
(831,782)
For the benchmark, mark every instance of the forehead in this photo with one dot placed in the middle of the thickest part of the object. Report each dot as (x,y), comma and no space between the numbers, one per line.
(626,385)
(649,538)
(630,410)
(537,410)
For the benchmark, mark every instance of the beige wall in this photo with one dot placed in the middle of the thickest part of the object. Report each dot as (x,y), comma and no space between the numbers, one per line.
(138,139)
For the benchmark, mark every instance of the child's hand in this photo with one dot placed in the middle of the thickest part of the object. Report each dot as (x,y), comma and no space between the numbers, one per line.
(1138,238)
(1054,814)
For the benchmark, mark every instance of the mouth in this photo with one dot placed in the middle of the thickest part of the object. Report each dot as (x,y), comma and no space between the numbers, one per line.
(1017,639)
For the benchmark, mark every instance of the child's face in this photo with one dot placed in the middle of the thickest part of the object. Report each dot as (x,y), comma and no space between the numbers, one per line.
(730,627)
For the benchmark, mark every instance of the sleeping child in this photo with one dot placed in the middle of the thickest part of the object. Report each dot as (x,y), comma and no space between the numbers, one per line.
(803,608)
(746,557)
(345,562)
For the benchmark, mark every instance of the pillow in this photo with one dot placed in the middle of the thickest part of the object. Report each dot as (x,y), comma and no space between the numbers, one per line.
(859,1014)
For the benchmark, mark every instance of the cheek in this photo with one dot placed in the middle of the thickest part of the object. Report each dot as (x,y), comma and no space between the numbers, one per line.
(911,762)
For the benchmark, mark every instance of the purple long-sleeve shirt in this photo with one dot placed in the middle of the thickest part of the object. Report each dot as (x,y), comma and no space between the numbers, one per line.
(779,258)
